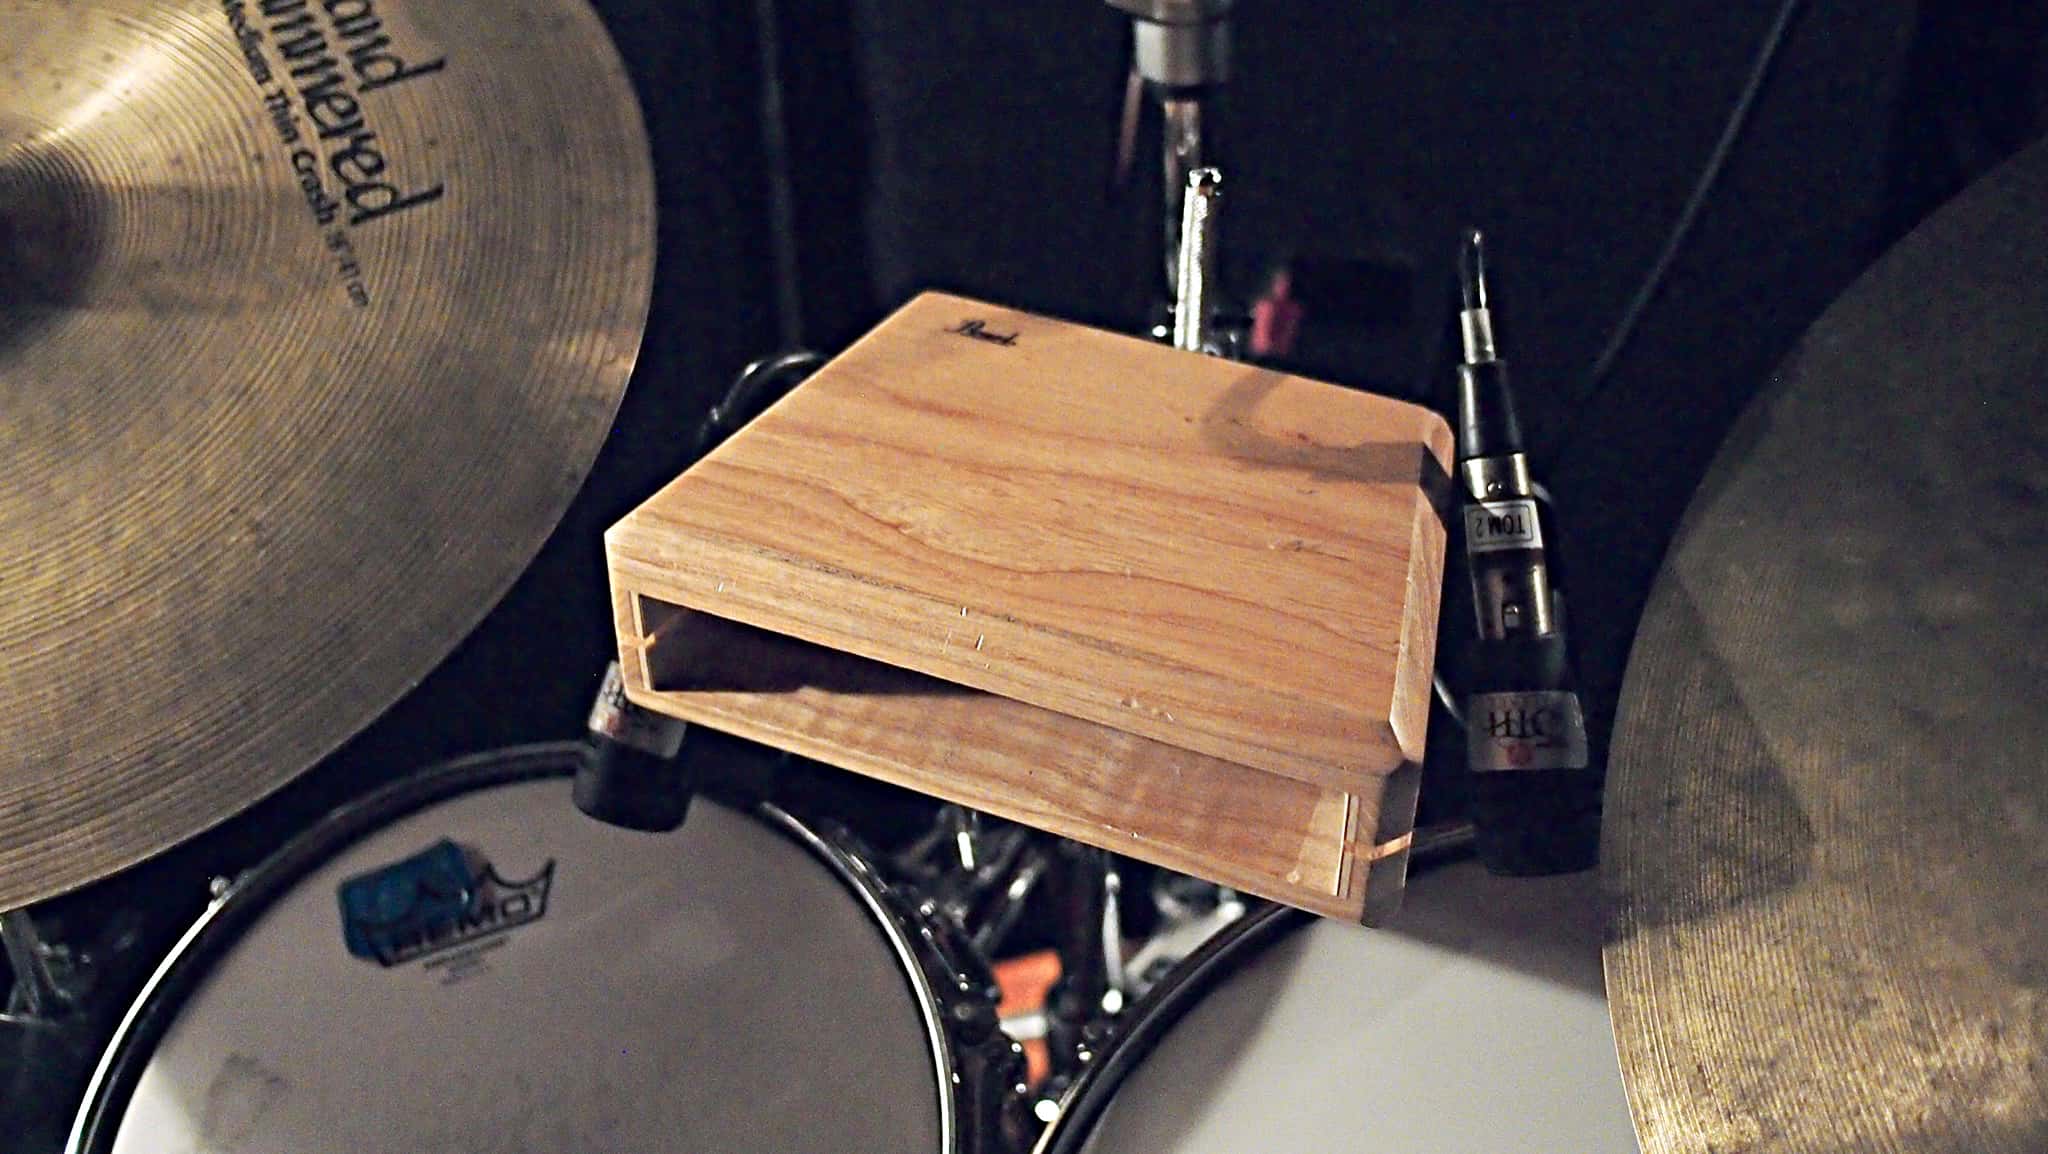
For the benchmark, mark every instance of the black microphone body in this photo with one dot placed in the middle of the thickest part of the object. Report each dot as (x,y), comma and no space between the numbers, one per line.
(633,773)
(1536,797)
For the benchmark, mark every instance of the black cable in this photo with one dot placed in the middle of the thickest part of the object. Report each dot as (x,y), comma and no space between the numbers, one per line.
(789,298)
(758,385)
(1738,119)
(1447,699)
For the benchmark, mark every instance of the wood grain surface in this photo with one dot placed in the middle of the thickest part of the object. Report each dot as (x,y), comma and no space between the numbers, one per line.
(1167,567)
(1219,557)
(1268,835)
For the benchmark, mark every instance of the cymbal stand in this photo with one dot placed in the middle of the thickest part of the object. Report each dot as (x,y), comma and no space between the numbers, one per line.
(64,983)
(1181,54)
(1082,1006)
(50,1026)
(979,874)
(49,982)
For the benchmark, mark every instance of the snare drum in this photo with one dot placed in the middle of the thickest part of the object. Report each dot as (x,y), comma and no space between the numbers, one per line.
(466,962)
(1477,1022)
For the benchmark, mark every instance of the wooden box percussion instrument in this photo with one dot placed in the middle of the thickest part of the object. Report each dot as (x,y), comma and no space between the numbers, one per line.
(1175,606)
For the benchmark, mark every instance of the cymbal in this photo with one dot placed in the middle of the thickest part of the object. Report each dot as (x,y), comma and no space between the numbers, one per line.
(1824,854)
(313,316)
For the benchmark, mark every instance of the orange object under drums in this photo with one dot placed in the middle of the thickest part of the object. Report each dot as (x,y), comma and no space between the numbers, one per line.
(1175,606)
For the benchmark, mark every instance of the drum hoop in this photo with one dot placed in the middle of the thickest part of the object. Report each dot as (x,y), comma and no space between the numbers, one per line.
(1153,1016)
(228,917)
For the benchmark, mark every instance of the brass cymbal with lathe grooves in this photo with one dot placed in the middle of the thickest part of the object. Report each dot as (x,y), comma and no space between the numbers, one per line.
(313,316)
(1826,841)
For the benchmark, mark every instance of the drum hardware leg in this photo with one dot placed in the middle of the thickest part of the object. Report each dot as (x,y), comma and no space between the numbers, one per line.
(51,981)
(999,912)
(1198,320)
(52,1020)
(967,830)
(980,876)
(1181,55)
(968,885)
(953,843)
(923,858)
(1182,155)
(1191,911)
(989,1087)
(1082,1005)
(35,994)
(1181,52)
(1194,294)
(955,969)
(997,1118)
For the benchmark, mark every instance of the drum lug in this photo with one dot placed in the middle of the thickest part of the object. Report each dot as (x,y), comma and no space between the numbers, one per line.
(951,963)
(989,1088)
(989,1083)
(989,1080)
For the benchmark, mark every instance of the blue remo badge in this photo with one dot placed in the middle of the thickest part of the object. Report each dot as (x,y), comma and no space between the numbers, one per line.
(385,908)
(437,900)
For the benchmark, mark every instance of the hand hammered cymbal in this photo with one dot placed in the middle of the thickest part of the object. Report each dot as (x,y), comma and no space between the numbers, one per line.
(1825,849)
(313,316)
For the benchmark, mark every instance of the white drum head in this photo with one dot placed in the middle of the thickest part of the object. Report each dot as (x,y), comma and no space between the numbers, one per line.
(1477,1023)
(713,989)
